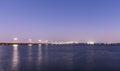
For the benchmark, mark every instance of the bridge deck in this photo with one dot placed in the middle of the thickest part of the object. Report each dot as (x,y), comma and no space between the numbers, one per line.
(10,43)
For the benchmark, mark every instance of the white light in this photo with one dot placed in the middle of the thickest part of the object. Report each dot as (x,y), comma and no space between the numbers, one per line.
(15,45)
(90,42)
(29,45)
(39,40)
(15,38)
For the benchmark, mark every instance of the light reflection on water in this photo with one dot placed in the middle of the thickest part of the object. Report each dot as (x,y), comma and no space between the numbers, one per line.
(15,56)
(59,58)
(90,59)
(30,54)
(39,54)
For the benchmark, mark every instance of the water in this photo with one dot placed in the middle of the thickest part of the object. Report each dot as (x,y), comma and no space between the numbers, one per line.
(60,58)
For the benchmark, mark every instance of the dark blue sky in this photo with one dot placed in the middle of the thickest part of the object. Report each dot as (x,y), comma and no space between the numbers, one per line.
(78,20)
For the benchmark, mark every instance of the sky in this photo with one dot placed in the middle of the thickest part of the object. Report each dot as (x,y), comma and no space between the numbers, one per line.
(62,20)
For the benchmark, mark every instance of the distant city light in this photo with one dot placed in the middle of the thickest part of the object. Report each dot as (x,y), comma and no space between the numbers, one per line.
(90,42)
(15,38)
(39,40)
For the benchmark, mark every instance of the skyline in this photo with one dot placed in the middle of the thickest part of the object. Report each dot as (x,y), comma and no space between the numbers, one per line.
(67,20)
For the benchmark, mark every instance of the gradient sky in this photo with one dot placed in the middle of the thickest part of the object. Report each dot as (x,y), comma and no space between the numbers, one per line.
(77,20)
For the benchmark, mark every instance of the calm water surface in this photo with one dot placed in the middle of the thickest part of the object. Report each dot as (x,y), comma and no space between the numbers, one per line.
(60,58)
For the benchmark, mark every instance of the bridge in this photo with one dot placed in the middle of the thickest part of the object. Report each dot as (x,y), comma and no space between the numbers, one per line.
(19,43)
(24,43)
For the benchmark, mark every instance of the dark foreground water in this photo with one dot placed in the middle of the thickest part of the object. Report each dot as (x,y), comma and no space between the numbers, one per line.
(60,58)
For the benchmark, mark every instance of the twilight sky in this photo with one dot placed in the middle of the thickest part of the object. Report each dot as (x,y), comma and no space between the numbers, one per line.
(77,20)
